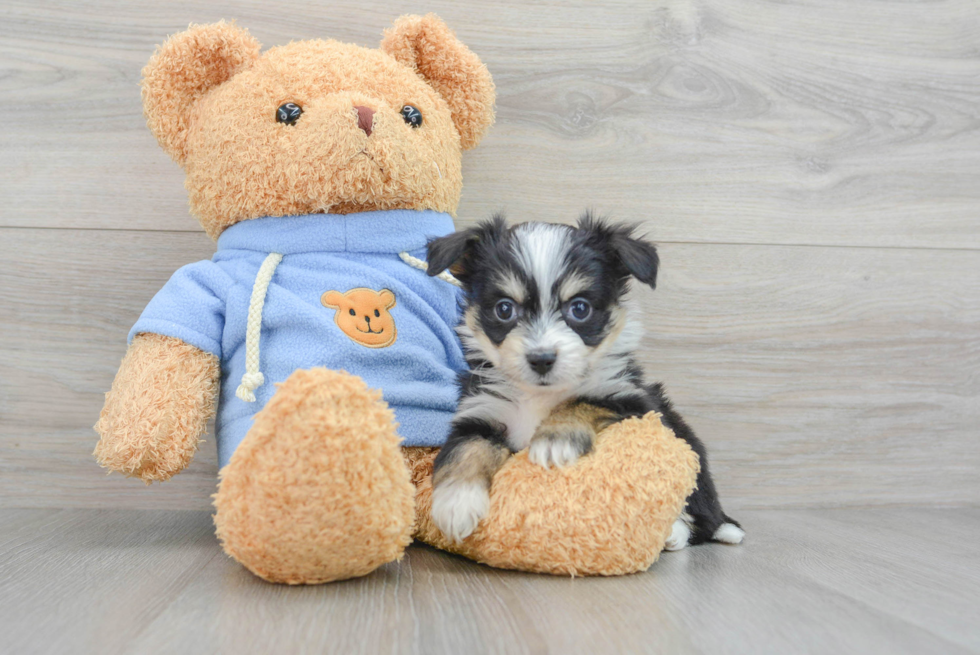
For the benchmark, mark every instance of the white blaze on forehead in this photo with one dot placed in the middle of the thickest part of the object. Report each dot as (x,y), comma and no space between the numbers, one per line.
(540,249)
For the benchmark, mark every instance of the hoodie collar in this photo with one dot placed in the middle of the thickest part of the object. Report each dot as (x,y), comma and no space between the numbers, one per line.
(388,231)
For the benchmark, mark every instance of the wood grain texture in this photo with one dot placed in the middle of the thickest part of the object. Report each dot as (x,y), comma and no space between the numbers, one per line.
(817,376)
(745,121)
(820,581)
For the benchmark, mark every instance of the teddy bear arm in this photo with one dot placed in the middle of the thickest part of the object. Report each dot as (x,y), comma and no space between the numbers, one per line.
(158,408)
(610,514)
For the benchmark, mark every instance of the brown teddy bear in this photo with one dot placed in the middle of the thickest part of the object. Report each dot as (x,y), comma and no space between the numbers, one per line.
(322,169)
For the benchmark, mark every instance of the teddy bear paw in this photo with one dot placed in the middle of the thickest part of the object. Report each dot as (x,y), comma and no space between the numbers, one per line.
(458,507)
(319,489)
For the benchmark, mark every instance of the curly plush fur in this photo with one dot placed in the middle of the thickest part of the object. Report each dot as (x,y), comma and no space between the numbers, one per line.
(319,490)
(158,409)
(208,96)
(607,515)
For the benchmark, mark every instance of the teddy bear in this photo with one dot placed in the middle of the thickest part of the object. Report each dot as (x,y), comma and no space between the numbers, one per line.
(356,308)
(314,337)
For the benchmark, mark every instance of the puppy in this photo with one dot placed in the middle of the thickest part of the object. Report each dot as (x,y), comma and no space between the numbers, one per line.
(549,337)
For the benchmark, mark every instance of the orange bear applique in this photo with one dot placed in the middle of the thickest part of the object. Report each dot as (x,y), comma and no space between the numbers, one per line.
(362,314)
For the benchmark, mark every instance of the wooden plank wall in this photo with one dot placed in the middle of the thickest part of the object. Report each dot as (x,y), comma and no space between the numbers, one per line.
(811,171)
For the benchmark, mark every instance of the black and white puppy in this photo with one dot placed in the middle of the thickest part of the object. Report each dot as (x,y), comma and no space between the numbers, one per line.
(550,338)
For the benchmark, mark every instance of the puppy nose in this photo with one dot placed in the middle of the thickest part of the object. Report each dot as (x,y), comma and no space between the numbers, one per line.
(542,362)
(365,118)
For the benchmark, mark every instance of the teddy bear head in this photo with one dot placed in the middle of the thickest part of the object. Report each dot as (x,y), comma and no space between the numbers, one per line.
(317,126)
(362,314)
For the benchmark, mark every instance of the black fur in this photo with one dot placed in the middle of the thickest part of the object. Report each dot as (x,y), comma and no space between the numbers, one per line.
(703,504)
(627,254)
(460,251)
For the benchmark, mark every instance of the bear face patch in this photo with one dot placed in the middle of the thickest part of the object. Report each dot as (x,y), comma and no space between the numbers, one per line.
(362,314)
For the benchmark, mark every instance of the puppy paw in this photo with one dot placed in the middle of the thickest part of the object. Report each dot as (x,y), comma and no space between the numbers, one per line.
(545,452)
(458,507)
(680,534)
(728,533)
(558,447)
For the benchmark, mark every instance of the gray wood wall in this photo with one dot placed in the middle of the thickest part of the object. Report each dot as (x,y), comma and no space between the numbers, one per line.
(811,171)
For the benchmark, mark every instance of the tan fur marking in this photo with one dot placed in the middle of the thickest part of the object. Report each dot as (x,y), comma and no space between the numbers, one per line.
(512,287)
(576,422)
(473,461)
(579,414)
(573,286)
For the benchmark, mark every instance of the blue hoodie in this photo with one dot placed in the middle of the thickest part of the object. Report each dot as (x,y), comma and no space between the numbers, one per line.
(206,304)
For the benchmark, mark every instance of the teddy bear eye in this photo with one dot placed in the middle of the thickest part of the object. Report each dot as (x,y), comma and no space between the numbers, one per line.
(352,312)
(288,113)
(377,313)
(412,116)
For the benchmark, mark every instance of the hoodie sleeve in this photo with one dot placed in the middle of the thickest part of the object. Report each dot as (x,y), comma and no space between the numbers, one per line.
(189,307)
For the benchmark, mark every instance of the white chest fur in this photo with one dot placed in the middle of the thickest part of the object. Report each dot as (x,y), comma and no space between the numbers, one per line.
(525,415)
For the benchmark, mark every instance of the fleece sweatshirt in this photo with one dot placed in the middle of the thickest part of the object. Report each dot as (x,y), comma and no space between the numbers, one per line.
(206,304)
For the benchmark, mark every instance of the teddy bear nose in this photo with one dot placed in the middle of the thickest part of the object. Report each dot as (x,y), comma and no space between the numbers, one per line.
(365,118)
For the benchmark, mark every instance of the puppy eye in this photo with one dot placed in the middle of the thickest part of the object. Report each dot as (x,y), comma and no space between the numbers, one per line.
(412,116)
(505,310)
(288,113)
(579,310)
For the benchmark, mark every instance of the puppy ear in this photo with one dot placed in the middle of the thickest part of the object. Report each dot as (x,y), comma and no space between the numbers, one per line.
(426,45)
(638,256)
(456,251)
(387,297)
(446,251)
(183,70)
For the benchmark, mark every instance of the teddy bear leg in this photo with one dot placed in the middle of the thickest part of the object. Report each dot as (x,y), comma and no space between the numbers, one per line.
(609,514)
(318,490)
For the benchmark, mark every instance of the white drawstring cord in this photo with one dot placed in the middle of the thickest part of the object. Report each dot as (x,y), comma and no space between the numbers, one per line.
(421,264)
(253,378)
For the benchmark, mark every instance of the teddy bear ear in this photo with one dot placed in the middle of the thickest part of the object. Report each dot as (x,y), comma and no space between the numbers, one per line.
(183,70)
(332,299)
(427,45)
(388,298)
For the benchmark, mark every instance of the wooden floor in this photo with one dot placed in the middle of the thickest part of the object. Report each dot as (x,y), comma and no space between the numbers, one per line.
(811,173)
(817,581)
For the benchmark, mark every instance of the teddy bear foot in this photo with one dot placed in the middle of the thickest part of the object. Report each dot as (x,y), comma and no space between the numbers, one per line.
(318,489)
(609,514)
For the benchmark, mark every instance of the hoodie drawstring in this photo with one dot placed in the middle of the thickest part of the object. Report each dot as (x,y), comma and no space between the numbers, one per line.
(422,265)
(253,378)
